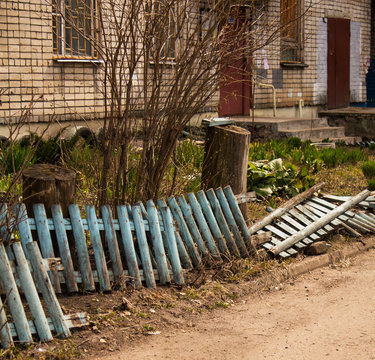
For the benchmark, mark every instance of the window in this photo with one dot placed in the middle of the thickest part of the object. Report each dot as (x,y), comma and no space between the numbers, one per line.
(291,31)
(74,28)
(165,38)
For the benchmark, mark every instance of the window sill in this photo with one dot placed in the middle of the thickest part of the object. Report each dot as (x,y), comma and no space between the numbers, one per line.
(77,60)
(163,62)
(293,65)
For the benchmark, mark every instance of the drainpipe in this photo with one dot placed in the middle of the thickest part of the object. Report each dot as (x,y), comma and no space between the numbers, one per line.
(273,93)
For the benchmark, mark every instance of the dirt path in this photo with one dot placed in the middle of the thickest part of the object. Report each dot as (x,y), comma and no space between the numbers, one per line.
(327,314)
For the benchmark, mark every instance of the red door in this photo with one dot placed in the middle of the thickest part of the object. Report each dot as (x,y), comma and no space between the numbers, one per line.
(338,63)
(235,82)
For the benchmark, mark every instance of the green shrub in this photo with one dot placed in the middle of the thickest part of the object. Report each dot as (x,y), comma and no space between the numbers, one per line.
(371,184)
(368,169)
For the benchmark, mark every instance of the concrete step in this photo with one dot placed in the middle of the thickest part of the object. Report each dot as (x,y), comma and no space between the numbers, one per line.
(315,134)
(301,124)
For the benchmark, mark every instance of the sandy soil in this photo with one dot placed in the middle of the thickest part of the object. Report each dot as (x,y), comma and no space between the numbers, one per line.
(327,314)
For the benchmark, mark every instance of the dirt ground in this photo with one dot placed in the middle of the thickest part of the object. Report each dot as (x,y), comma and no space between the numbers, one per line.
(241,309)
(326,314)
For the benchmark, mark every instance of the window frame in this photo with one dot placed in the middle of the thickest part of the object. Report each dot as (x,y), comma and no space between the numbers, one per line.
(295,25)
(171,36)
(62,50)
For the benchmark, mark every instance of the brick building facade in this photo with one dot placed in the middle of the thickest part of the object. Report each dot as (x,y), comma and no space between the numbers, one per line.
(73,90)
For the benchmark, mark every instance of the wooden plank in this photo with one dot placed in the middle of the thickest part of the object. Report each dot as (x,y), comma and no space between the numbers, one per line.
(143,246)
(215,230)
(313,217)
(81,247)
(203,226)
(31,294)
(23,226)
(14,300)
(73,320)
(325,210)
(298,226)
(62,241)
(128,244)
(231,222)
(193,228)
(215,205)
(45,286)
(113,248)
(321,222)
(45,242)
(284,208)
(6,337)
(283,235)
(157,242)
(171,245)
(97,246)
(183,254)
(237,214)
(185,233)
(304,220)
(329,205)
(291,231)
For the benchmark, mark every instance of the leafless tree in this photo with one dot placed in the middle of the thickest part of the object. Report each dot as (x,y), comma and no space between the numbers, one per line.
(162,64)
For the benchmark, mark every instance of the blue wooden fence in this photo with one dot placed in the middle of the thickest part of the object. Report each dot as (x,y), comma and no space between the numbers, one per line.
(142,244)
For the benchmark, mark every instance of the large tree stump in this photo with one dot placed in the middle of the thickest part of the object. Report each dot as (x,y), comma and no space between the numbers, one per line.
(50,184)
(226,159)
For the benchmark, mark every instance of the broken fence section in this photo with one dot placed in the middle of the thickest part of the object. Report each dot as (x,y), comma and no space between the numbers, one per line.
(142,244)
(312,219)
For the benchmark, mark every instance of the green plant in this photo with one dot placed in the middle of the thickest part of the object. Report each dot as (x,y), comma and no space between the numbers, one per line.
(371,184)
(275,178)
(368,169)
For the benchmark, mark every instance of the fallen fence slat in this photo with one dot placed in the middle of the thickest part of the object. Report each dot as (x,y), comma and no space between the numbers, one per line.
(193,228)
(45,286)
(6,337)
(285,208)
(157,241)
(31,294)
(313,217)
(185,233)
(215,205)
(62,241)
(128,245)
(143,246)
(212,223)
(319,223)
(14,299)
(203,226)
(172,246)
(231,222)
(97,246)
(73,321)
(111,237)
(45,241)
(81,246)
(238,216)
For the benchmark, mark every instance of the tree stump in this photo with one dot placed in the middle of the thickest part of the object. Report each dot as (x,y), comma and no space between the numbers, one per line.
(50,184)
(226,159)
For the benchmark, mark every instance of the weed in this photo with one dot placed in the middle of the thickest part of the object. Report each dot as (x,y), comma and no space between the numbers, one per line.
(371,184)
(368,169)
(142,315)
(149,327)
